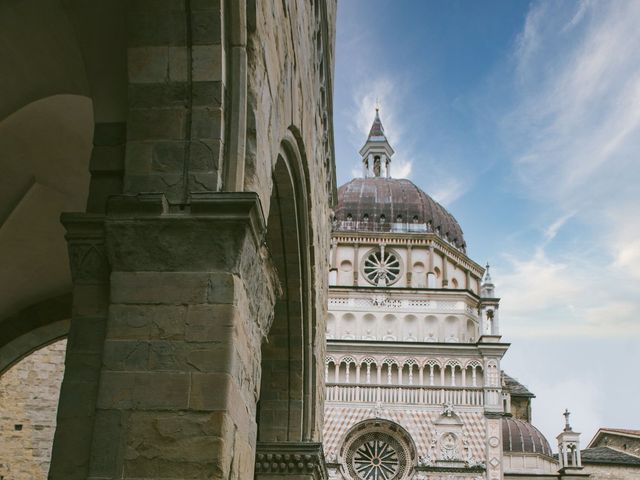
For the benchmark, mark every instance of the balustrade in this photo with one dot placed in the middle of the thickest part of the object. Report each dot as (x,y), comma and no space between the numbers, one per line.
(406,394)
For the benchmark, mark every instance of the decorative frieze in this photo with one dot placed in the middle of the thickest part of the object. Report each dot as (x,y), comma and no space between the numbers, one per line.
(275,459)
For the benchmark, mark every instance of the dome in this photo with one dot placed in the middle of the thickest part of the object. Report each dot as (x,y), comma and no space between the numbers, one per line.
(519,436)
(393,204)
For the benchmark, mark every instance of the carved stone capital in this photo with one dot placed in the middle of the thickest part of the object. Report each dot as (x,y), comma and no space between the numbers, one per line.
(283,459)
(86,244)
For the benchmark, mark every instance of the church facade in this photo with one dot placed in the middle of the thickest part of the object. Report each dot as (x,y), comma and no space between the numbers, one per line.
(413,371)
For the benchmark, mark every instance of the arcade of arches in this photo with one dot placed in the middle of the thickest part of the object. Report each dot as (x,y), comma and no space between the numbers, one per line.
(167,179)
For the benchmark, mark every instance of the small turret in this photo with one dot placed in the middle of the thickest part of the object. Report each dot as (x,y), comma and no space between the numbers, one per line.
(376,151)
(487,288)
(569,457)
(489,321)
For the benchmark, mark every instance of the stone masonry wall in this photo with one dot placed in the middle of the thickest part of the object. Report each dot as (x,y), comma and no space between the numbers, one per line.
(620,442)
(28,403)
(612,472)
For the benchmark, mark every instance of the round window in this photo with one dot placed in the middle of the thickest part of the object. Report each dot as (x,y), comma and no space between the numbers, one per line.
(381,267)
(376,456)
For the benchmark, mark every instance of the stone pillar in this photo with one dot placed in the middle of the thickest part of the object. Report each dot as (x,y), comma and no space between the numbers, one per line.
(192,296)
(356,264)
(409,266)
(71,451)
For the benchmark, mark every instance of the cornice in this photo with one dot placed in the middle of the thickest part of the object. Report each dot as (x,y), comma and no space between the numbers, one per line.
(291,458)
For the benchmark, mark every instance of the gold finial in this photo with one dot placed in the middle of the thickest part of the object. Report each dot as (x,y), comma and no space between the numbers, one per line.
(377,104)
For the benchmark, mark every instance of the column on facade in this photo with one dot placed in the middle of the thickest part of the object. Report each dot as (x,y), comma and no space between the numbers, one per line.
(409,265)
(445,271)
(379,379)
(355,263)
(464,376)
(357,372)
(421,374)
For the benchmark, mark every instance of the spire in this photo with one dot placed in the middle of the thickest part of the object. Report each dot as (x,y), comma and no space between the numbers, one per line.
(376,134)
(376,152)
(487,288)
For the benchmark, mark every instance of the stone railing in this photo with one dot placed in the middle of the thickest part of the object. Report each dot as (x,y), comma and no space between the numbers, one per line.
(466,396)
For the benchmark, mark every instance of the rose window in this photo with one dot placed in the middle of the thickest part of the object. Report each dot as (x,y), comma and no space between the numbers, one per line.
(382,268)
(376,456)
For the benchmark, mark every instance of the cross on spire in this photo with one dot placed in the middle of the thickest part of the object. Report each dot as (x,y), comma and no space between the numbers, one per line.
(567,427)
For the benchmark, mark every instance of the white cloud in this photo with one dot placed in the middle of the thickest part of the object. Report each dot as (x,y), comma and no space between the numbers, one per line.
(575,135)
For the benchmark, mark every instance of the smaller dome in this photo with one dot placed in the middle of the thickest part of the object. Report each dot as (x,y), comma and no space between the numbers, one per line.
(519,436)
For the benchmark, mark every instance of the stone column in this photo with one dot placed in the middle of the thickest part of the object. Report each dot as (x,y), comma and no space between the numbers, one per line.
(76,410)
(192,296)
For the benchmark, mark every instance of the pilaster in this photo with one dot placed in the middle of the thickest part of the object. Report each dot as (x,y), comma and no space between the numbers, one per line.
(76,411)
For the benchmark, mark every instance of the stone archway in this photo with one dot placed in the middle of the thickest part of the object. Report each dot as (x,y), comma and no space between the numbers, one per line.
(173,288)
(289,392)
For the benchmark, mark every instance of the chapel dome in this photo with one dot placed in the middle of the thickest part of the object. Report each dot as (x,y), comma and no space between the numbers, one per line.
(395,205)
(519,436)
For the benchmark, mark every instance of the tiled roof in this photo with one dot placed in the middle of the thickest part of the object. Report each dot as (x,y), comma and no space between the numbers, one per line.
(377,130)
(623,431)
(394,198)
(519,436)
(609,456)
(514,387)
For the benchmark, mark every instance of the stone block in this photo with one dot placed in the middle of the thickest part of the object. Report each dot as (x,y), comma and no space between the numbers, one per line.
(206,25)
(148,64)
(116,390)
(126,355)
(145,322)
(161,390)
(178,64)
(138,157)
(170,288)
(171,185)
(162,23)
(168,157)
(204,155)
(207,123)
(209,323)
(157,124)
(178,445)
(208,94)
(208,63)
(158,95)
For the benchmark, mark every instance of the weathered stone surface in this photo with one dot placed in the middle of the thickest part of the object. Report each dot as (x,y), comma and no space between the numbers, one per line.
(175,288)
(29,399)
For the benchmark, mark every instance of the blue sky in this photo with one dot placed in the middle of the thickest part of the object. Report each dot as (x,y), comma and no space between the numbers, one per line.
(523,119)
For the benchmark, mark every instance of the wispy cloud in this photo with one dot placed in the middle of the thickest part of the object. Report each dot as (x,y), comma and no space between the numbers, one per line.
(575,136)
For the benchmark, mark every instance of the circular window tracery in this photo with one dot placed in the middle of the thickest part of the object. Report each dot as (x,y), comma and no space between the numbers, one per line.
(377,450)
(381,267)
(376,456)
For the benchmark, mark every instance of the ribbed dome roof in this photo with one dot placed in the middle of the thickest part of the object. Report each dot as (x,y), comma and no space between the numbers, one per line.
(366,200)
(519,436)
